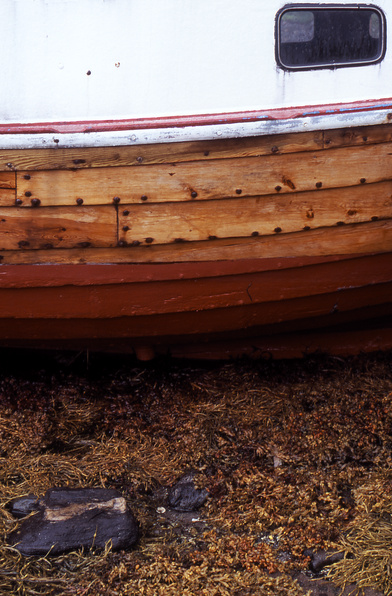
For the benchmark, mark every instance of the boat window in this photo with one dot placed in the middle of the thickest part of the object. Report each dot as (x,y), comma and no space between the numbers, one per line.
(322,36)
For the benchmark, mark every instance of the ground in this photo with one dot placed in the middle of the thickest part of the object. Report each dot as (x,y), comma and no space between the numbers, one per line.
(295,455)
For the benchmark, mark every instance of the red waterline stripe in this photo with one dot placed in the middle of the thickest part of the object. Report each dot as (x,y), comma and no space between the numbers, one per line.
(196,120)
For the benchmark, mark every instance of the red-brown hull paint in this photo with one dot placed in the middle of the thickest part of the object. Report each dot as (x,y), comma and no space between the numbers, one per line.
(166,306)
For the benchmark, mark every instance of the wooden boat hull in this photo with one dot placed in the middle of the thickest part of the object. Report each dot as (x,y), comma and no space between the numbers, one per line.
(201,309)
(275,244)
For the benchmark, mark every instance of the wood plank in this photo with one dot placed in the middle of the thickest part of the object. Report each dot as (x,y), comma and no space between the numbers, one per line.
(7,196)
(351,239)
(151,297)
(7,180)
(159,328)
(54,228)
(92,157)
(249,176)
(160,223)
(344,137)
(30,276)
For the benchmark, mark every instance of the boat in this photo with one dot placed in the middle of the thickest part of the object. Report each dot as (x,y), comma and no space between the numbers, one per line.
(204,179)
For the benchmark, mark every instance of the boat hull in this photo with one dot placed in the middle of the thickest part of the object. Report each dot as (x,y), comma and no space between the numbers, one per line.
(271,245)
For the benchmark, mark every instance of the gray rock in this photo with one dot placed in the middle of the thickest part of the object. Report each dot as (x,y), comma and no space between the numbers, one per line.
(22,506)
(322,558)
(69,519)
(184,496)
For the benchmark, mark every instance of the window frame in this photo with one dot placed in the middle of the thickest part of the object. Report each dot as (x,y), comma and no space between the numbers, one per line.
(329,65)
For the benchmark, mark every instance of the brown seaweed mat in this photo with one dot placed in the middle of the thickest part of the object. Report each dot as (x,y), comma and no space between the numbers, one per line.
(295,455)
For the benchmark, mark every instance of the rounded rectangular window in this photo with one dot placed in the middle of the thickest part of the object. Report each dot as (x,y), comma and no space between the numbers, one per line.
(325,36)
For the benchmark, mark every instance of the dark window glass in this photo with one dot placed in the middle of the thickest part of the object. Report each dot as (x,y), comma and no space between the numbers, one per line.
(317,37)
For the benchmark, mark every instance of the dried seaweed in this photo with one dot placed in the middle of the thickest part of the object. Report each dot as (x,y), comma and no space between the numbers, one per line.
(295,455)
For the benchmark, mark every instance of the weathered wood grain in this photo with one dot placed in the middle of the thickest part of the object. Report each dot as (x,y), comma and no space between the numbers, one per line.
(345,137)
(53,228)
(351,239)
(7,196)
(161,223)
(249,176)
(7,180)
(90,157)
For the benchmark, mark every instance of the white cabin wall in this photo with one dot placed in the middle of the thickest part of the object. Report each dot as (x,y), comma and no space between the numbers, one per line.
(159,58)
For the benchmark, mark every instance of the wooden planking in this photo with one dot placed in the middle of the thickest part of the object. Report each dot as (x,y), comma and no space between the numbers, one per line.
(91,157)
(161,327)
(150,297)
(209,180)
(351,239)
(161,223)
(54,228)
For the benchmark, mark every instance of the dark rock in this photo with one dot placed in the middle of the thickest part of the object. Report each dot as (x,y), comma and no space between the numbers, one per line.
(322,558)
(22,506)
(69,519)
(184,496)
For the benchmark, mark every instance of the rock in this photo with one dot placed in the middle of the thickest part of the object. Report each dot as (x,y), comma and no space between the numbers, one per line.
(184,496)
(69,519)
(22,506)
(322,558)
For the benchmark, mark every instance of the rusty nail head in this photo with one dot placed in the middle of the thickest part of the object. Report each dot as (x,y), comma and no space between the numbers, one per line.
(362,180)
(78,161)
(135,243)
(125,228)
(277,230)
(374,218)
(35,202)
(88,73)
(126,212)
(306,228)
(18,202)
(28,193)
(144,198)
(238,191)
(193,194)
(206,153)
(9,165)
(116,200)
(274,149)
(340,223)
(149,240)
(139,159)
(27,176)
(255,233)
(122,243)
(278,188)
(319,184)
(79,201)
